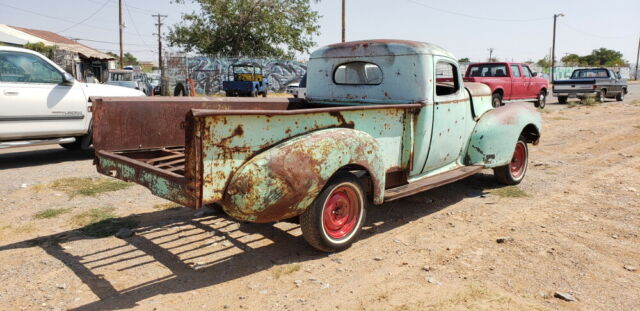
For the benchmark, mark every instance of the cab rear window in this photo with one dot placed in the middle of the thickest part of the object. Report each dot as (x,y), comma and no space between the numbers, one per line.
(358,73)
(489,70)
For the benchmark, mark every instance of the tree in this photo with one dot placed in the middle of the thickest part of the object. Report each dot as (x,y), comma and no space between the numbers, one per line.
(599,57)
(46,50)
(247,28)
(464,60)
(573,60)
(545,62)
(129,59)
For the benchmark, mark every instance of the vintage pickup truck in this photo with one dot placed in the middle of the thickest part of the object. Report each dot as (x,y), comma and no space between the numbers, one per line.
(382,120)
(599,82)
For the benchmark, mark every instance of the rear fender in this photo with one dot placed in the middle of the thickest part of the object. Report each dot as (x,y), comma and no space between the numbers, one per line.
(496,134)
(283,181)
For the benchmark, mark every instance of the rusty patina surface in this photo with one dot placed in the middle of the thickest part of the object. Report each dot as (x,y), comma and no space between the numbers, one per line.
(284,180)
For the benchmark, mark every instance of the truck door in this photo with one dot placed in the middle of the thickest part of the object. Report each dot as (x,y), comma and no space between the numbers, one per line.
(518,85)
(450,111)
(35,102)
(531,89)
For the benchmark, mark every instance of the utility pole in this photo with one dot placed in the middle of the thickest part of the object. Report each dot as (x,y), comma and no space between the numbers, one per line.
(490,54)
(344,21)
(163,84)
(553,46)
(637,59)
(121,20)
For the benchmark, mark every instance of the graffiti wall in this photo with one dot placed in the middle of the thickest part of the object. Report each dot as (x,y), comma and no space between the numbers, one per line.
(209,73)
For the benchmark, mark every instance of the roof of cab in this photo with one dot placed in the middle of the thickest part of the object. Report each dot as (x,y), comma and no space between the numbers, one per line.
(369,48)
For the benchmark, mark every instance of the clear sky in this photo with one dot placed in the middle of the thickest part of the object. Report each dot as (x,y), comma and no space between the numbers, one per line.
(515,29)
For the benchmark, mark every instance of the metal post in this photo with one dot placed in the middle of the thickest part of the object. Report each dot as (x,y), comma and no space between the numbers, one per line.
(637,59)
(344,21)
(121,20)
(553,46)
(490,54)
(163,82)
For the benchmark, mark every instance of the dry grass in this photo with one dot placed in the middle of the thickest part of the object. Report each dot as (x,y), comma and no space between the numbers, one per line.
(637,126)
(560,119)
(509,192)
(51,213)
(87,186)
(101,222)
(167,206)
(285,270)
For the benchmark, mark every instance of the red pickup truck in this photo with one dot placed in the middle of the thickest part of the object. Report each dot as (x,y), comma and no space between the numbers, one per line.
(509,82)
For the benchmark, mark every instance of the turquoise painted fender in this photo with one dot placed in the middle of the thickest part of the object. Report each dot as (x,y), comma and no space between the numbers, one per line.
(496,133)
(283,181)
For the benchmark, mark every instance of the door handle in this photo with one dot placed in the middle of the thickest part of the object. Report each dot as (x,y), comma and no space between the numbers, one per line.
(11,93)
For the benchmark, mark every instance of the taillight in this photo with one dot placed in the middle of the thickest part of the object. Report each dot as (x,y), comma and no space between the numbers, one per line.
(595,87)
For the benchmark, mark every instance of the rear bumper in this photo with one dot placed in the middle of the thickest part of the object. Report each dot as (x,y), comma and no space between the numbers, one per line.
(574,93)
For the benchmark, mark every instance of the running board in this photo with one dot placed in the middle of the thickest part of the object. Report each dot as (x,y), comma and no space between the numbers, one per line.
(431,182)
(26,143)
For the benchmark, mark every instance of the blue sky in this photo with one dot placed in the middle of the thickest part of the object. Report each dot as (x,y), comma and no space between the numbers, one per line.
(516,29)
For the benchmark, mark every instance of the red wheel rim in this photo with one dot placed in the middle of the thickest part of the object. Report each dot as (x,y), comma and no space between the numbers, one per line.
(519,160)
(341,212)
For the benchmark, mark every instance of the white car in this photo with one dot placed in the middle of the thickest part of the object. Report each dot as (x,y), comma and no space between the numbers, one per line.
(41,104)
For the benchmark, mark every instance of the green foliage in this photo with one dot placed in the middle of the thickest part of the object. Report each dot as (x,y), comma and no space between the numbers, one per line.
(46,50)
(599,57)
(464,60)
(247,28)
(545,62)
(129,59)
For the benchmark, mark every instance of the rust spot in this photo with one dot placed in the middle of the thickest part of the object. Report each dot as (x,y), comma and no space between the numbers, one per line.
(343,122)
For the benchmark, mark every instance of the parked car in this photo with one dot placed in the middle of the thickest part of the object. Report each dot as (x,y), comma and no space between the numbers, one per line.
(132,79)
(599,82)
(509,82)
(364,133)
(245,79)
(302,88)
(156,85)
(292,89)
(42,104)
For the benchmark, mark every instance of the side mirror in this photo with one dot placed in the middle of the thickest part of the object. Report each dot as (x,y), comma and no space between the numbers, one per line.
(535,74)
(68,79)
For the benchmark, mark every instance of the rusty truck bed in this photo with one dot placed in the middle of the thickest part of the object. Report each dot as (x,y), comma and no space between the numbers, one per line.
(154,141)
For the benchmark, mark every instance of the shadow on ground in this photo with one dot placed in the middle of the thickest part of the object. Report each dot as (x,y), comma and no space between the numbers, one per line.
(157,230)
(29,158)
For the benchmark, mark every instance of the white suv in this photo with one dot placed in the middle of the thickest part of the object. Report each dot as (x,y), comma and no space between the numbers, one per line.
(40,103)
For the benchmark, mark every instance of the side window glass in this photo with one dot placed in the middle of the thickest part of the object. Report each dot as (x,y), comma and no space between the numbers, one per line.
(447,80)
(516,71)
(527,71)
(358,73)
(23,67)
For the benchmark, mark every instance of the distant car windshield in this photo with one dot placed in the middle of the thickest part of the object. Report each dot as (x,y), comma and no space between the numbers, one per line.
(121,76)
(488,70)
(589,73)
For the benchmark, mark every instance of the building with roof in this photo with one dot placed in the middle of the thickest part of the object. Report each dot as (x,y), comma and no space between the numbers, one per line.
(76,58)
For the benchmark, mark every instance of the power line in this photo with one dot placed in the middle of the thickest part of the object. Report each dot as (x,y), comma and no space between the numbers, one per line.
(108,42)
(593,35)
(130,6)
(87,18)
(477,17)
(135,27)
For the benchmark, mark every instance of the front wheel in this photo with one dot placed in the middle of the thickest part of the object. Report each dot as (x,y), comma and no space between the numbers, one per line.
(542,100)
(513,173)
(620,97)
(496,100)
(334,220)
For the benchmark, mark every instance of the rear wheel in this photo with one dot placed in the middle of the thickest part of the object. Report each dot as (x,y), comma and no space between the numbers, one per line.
(600,97)
(496,100)
(264,94)
(81,143)
(513,173)
(620,97)
(334,220)
(562,99)
(542,99)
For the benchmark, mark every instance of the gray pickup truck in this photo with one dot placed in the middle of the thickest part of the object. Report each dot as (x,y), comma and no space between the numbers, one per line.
(600,82)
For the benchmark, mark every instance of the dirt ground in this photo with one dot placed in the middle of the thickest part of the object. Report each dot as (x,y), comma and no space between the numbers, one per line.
(572,227)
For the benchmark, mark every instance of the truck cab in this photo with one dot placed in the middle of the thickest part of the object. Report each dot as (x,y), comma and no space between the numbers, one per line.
(382,120)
